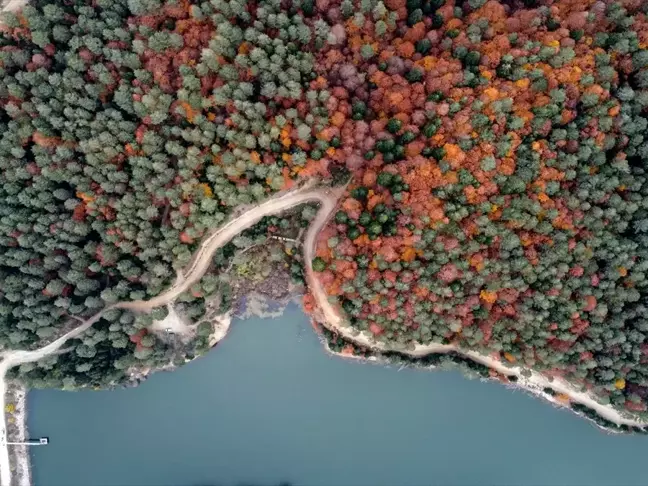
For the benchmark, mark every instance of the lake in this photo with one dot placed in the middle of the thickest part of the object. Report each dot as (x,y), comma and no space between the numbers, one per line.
(269,405)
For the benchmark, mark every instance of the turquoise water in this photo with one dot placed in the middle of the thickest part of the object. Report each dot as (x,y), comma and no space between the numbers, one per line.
(268,405)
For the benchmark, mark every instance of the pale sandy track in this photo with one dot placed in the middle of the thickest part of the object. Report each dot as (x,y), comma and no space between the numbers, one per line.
(195,270)
(331,318)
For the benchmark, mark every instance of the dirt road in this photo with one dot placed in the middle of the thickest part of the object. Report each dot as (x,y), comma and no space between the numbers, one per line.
(333,320)
(331,317)
(195,270)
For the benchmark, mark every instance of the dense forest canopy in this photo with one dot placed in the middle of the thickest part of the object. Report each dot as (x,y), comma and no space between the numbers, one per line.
(499,200)
(498,195)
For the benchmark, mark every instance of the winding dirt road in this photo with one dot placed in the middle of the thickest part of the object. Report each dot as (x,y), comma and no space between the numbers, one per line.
(201,261)
(331,317)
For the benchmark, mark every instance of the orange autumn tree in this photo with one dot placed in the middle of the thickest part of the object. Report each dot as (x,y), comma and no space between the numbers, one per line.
(489,149)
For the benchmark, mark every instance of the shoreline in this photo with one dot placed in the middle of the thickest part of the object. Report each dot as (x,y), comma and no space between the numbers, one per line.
(328,314)
(522,384)
(331,318)
(17,431)
(259,305)
(589,380)
(563,393)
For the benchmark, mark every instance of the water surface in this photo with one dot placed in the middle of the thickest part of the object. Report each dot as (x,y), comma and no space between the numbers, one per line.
(268,405)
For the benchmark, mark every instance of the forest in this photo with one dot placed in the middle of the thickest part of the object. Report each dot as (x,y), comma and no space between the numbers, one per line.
(499,197)
(495,150)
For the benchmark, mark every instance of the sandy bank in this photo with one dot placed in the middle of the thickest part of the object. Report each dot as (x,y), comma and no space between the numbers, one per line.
(16,417)
(523,385)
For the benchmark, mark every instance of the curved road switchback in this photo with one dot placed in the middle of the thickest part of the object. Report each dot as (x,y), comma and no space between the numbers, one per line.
(330,316)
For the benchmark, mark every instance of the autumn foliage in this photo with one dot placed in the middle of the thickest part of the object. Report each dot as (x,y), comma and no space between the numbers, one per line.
(499,191)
